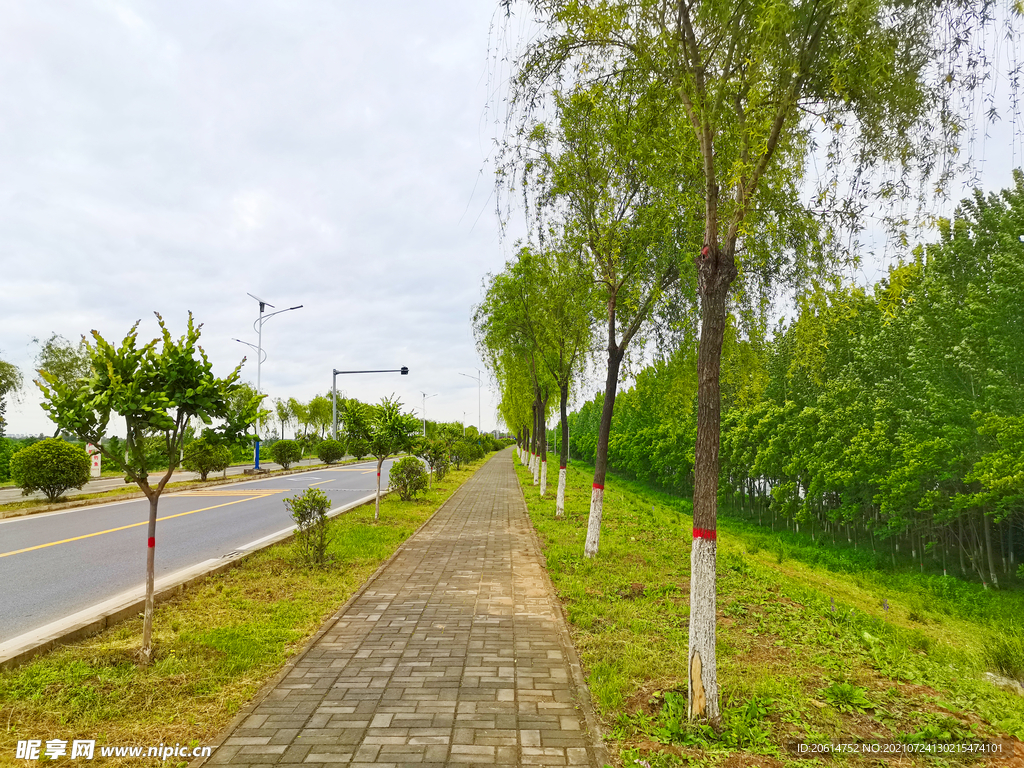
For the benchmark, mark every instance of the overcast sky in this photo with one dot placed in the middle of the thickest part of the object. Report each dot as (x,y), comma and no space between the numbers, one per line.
(176,156)
(171,157)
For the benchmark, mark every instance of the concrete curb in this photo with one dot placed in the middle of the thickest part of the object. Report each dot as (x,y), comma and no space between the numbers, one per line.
(272,683)
(96,618)
(586,703)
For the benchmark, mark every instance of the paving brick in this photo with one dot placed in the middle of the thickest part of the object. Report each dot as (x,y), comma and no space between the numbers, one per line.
(451,656)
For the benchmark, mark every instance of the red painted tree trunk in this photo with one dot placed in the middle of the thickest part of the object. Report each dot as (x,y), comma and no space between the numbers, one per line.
(715,273)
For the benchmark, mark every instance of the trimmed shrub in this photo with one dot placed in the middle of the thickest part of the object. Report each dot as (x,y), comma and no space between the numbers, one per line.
(312,532)
(51,466)
(408,477)
(330,451)
(205,457)
(286,452)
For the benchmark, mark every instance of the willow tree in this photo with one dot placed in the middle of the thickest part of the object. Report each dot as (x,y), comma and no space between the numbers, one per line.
(759,83)
(607,168)
(539,309)
(502,324)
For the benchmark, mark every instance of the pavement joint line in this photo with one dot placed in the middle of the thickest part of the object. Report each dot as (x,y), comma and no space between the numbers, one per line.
(269,687)
(454,651)
(96,618)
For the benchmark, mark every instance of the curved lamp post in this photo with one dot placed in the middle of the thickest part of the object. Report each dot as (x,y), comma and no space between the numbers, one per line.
(260,354)
(425,398)
(479,385)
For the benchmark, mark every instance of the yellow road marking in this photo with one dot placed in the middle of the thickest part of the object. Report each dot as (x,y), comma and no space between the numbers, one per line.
(320,483)
(114,530)
(261,492)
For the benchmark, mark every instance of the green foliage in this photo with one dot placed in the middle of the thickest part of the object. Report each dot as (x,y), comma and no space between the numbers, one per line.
(7,449)
(286,452)
(51,466)
(330,451)
(462,453)
(436,453)
(384,427)
(205,456)
(64,360)
(358,448)
(408,477)
(157,388)
(847,697)
(1005,653)
(312,530)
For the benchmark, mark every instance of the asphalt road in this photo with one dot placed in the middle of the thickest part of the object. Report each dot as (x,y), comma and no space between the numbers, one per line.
(55,564)
(12,493)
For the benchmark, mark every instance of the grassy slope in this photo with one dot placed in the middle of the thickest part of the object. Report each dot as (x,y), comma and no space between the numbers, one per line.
(804,653)
(215,646)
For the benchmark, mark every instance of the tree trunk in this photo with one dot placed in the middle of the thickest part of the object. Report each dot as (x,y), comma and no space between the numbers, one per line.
(715,272)
(601,459)
(961,548)
(535,458)
(563,453)
(376,510)
(544,446)
(987,522)
(147,622)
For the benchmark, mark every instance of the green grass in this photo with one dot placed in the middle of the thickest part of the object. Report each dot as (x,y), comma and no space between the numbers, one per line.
(804,652)
(215,645)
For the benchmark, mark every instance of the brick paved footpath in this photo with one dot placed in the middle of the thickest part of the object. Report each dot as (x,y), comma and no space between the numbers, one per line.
(455,653)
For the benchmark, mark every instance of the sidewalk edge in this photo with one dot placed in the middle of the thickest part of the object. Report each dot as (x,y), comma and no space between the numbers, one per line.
(579,681)
(289,665)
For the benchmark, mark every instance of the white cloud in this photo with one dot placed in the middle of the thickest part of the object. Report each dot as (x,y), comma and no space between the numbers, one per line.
(173,157)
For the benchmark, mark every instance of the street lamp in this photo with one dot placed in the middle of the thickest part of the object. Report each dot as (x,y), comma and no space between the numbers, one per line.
(425,398)
(260,355)
(404,370)
(479,384)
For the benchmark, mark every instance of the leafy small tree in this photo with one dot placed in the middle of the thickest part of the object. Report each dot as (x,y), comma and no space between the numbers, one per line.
(385,429)
(51,466)
(312,531)
(435,453)
(330,451)
(286,452)
(360,449)
(283,413)
(62,359)
(157,388)
(462,453)
(408,477)
(205,456)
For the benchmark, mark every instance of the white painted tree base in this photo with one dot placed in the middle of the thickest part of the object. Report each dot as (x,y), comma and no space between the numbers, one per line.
(594,524)
(535,468)
(702,692)
(543,478)
(560,497)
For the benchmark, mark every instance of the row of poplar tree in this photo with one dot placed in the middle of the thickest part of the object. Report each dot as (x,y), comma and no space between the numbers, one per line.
(892,417)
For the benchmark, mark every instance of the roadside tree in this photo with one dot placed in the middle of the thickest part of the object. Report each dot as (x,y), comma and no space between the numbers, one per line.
(385,429)
(758,85)
(157,388)
(205,456)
